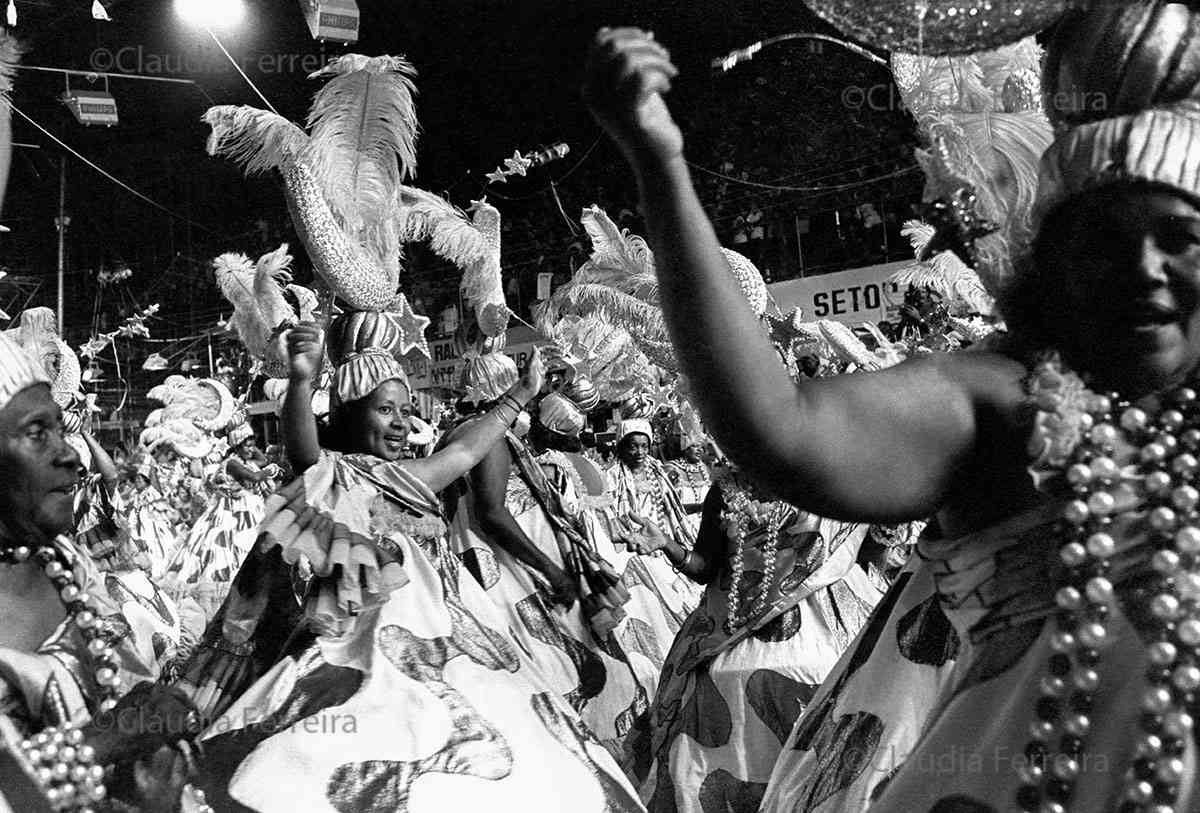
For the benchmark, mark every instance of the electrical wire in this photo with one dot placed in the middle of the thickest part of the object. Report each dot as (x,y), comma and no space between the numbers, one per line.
(107,174)
(811,189)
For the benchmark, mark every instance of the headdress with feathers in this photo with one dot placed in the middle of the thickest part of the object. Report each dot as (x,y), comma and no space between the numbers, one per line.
(618,285)
(343,178)
(982,116)
(258,293)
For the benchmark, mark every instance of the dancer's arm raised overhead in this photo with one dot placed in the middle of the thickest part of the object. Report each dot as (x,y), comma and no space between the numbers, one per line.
(885,446)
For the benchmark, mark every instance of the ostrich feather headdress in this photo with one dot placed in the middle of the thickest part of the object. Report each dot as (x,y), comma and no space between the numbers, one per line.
(344,178)
(982,117)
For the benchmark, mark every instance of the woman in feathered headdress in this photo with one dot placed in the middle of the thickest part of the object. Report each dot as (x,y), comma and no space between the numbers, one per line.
(1057,589)
(393,635)
(236,479)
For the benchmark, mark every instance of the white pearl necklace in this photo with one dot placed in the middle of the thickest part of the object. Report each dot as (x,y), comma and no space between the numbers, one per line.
(1167,446)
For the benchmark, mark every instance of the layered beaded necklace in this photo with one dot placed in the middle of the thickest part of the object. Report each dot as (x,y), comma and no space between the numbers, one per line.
(1161,480)
(58,759)
(742,513)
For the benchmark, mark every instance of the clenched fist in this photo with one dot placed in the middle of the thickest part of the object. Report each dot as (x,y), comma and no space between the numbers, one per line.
(627,74)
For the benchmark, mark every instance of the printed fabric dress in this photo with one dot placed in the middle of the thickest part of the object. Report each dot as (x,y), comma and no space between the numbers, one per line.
(650,495)
(124,564)
(148,518)
(395,686)
(650,623)
(931,708)
(730,692)
(590,670)
(208,559)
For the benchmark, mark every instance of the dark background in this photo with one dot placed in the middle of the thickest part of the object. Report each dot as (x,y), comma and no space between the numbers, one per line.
(493,77)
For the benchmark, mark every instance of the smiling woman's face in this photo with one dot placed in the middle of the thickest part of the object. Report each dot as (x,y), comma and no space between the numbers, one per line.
(1126,264)
(381,421)
(39,471)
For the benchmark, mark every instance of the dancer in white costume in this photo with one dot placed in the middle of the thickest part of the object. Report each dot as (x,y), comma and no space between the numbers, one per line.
(518,528)
(785,596)
(642,490)
(425,703)
(223,535)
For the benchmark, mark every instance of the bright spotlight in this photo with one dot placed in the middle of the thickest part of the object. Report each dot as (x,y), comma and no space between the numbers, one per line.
(211,13)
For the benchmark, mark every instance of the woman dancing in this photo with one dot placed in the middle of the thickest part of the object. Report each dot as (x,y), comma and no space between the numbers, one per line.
(399,658)
(784,598)
(1061,609)
(224,534)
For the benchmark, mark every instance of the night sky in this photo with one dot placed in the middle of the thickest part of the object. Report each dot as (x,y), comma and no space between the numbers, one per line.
(493,77)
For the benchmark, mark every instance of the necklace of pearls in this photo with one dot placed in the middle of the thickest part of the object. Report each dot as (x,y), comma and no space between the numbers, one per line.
(57,758)
(741,514)
(1167,444)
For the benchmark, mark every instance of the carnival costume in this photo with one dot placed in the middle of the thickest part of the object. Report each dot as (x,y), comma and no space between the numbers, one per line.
(1048,662)
(396,654)
(577,649)
(82,667)
(785,603)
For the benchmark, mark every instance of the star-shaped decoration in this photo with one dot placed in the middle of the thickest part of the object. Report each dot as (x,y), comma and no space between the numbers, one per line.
(411,325)
(958,224)
(663,397)
(476,205)
(94,347)
(517,164)
(497,176)
(134,327)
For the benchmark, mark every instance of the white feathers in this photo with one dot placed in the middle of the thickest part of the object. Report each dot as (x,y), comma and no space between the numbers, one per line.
(257,294)
(363,127)
(945,273)
(256,140)
(482,285)
(425,217)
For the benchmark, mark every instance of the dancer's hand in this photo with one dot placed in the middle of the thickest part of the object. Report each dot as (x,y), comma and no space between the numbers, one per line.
(626,76)
(305,347)
(646,537)
(530,383)
(150,716)
(564,590)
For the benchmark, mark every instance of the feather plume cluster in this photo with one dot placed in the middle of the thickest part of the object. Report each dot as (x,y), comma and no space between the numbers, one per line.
(257,292)
(945,273)
(982,117)
(344,177)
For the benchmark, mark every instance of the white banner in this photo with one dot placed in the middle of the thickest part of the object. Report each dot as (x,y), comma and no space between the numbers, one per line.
(444,369)
(851,297)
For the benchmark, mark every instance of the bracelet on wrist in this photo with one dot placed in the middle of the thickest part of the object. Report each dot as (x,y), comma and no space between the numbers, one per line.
(64,768)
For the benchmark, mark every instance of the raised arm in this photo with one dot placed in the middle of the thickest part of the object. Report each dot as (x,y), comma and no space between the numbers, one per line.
(101,462)
(880,447)
(489,488)
(305,345)
(467,448)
